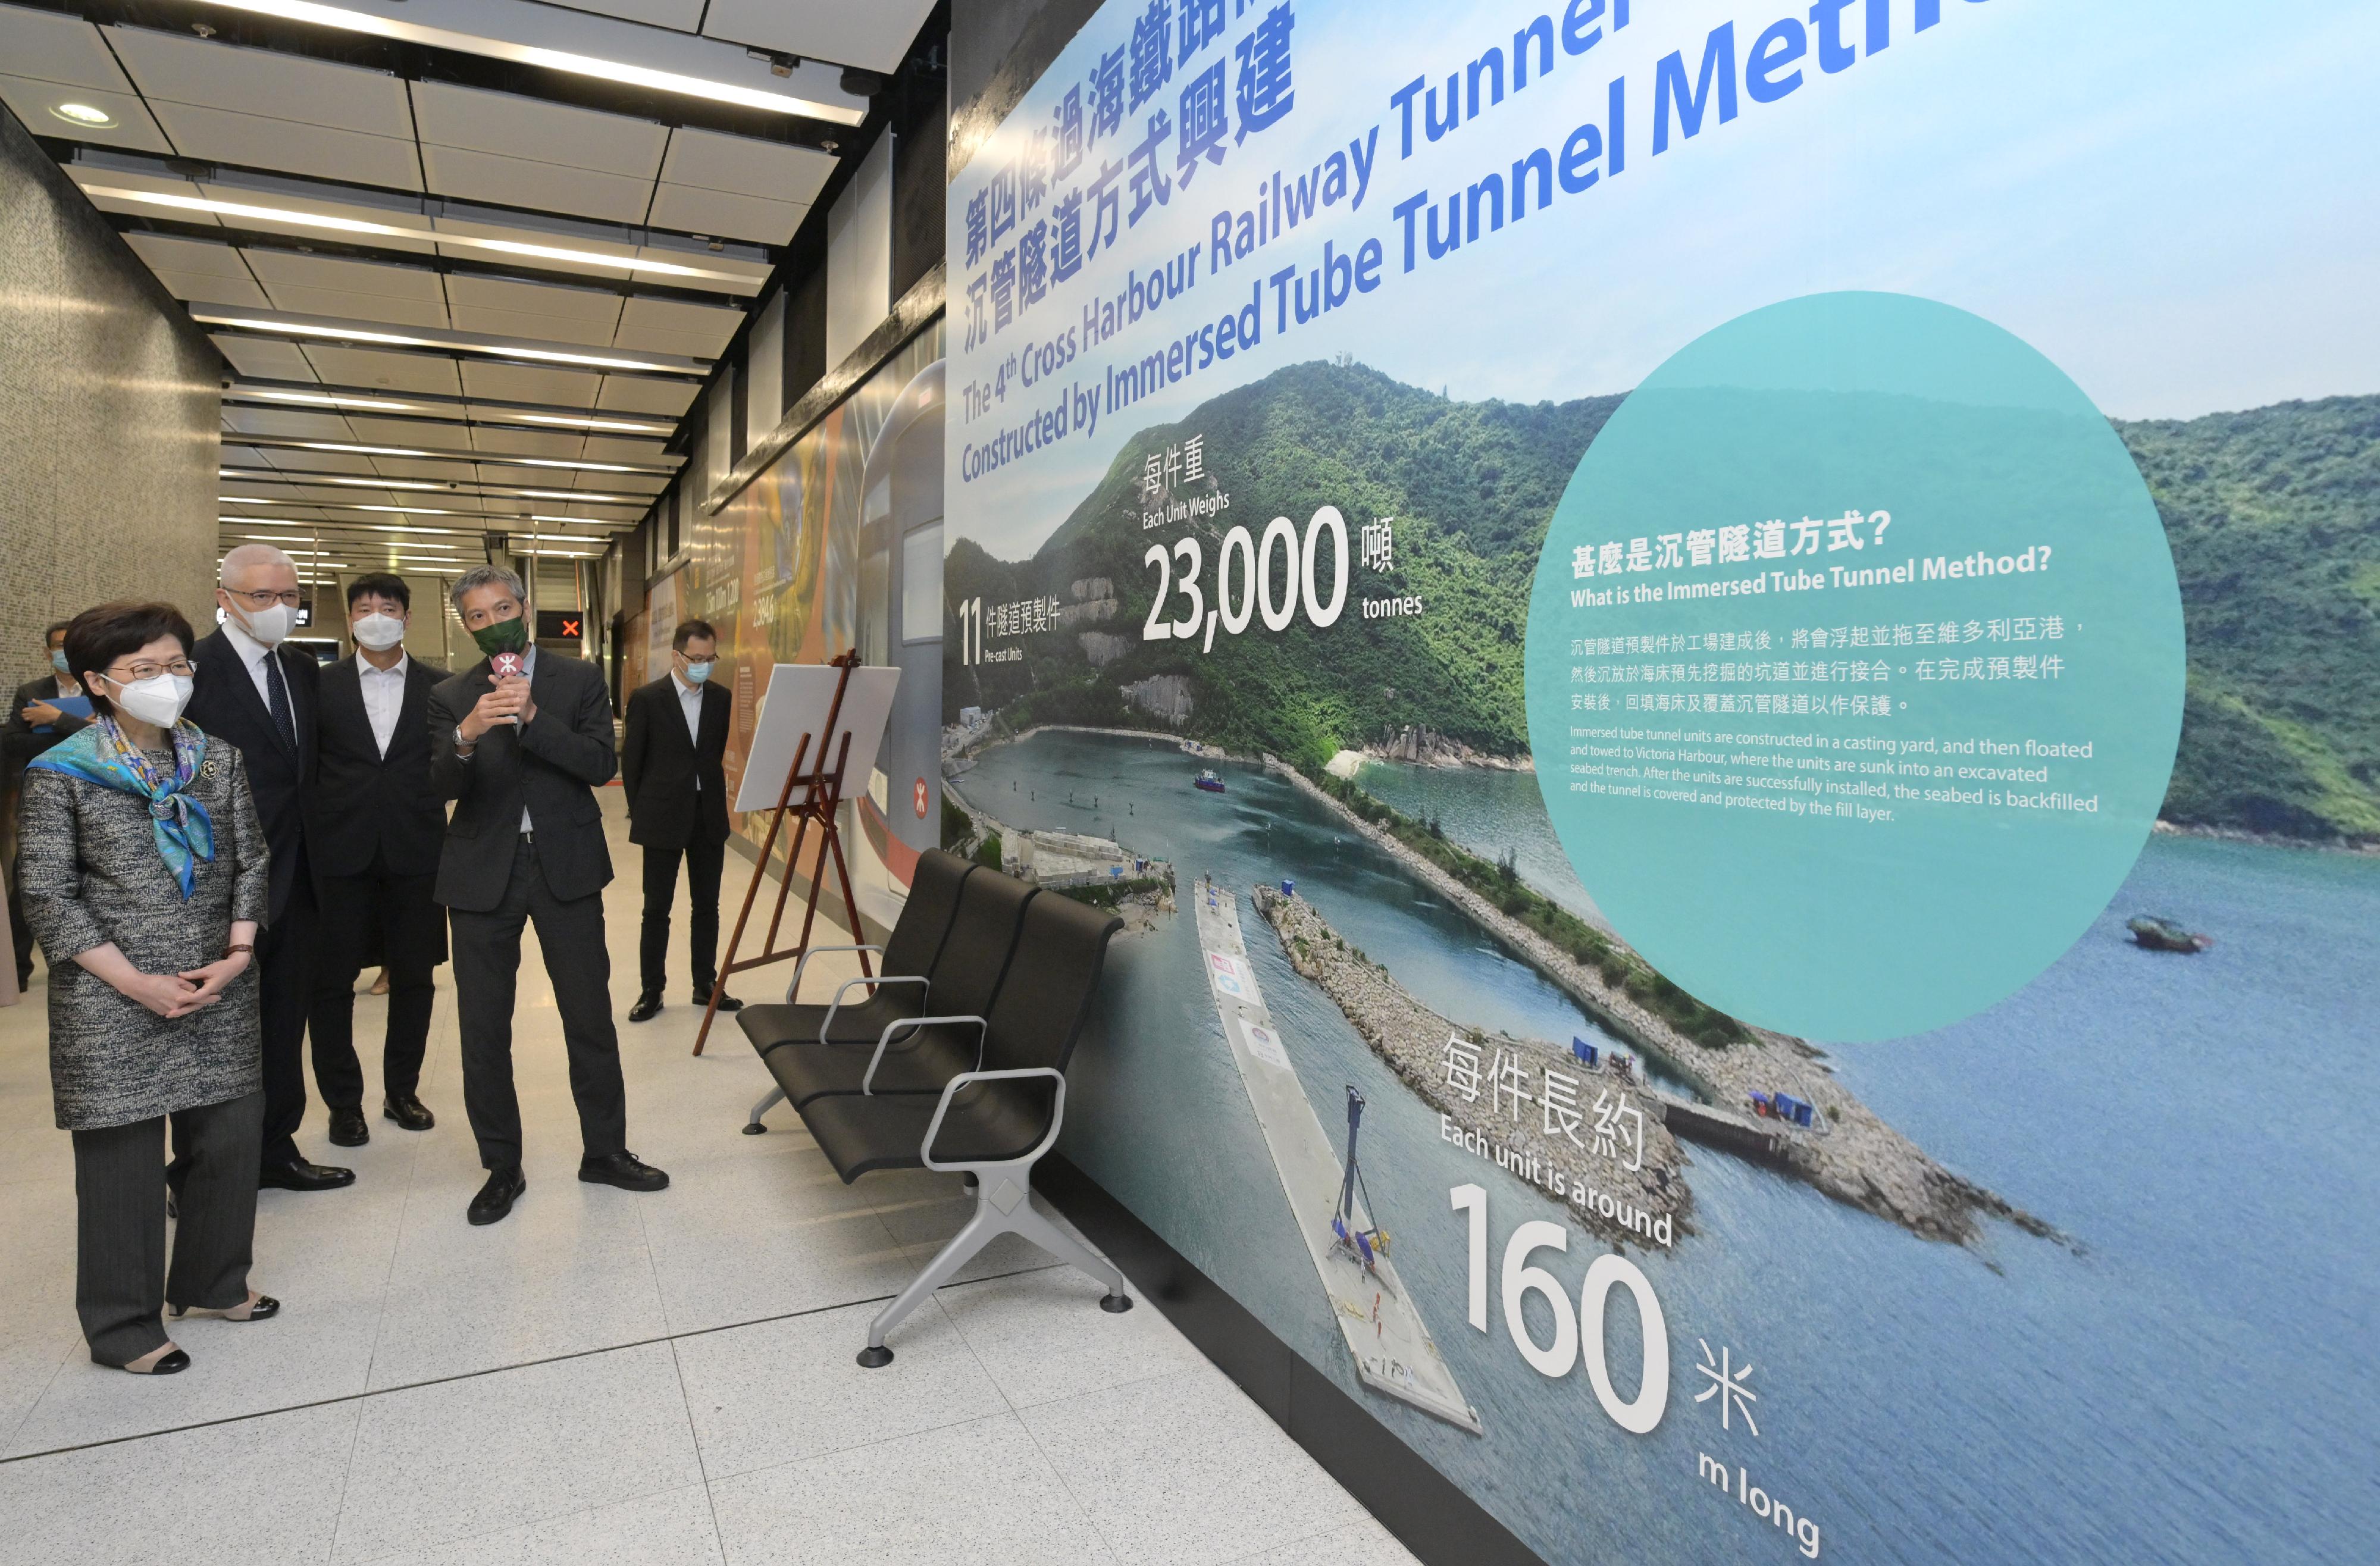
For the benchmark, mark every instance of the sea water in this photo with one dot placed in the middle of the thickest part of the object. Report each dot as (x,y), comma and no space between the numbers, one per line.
(2194,1382)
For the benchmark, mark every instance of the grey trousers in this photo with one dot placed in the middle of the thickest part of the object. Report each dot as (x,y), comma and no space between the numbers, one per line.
(121,1284)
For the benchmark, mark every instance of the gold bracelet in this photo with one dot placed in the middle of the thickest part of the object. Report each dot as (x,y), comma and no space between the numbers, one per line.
(229,950)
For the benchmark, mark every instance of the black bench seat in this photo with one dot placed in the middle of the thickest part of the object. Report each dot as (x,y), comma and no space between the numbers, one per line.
(899,989)
(982,1091)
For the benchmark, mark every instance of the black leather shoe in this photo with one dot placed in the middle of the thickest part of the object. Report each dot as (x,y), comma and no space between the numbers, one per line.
(300,1175)
(347,1128)
(647,1005)
(497,1197)
(627,1170)
(407,1112)
(726,1002)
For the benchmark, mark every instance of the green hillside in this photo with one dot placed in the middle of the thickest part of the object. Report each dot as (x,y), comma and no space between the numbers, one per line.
(2274,514)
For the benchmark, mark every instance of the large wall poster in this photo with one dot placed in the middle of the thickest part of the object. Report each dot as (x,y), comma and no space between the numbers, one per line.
(1687,1175)
(782,571)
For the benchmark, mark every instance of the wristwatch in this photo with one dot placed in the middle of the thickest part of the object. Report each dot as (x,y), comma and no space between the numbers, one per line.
(465,746)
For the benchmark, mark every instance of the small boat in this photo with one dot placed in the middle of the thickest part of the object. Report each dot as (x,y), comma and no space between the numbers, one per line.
(1208,780)
(2166,935)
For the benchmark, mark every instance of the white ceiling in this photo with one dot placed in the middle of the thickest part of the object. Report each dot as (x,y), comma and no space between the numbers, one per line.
(455,209)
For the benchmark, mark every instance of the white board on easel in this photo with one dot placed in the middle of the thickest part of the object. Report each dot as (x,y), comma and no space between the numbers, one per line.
(795,704)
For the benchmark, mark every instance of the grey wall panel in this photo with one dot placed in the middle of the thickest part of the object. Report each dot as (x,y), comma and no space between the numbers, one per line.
(110,402)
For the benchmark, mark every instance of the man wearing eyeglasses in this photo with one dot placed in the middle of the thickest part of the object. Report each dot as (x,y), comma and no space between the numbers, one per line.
(252,692)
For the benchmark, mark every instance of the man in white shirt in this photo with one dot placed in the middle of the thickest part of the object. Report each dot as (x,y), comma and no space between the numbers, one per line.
(672,764)
(379,825)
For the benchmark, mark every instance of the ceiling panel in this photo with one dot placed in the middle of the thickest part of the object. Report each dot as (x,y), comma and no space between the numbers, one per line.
(690,345)
(621,448)
(595,305)
(315,461)
(223,136)
(265,360)
(517,383)
(276,267)
(33,102)
(644,312)
(286,422)
(533,328)
(370,367)
(525,442)
(207,289)
(876,34)
(49,46)
(710,161)
(203,258)
(378,307)
(620,483)
(179,69)
(625,394)
(716,213)
(538,186)
(418,467)
(682,15)
(538,131)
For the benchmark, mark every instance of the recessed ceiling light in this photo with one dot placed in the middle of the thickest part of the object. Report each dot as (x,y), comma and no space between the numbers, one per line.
(495,48)
(324,399)
(623,426)
(88,115)
(299,219)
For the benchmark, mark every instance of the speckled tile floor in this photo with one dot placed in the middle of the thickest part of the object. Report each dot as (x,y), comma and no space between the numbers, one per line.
(660,1380)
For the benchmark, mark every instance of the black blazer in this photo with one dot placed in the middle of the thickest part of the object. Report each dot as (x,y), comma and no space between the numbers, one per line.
(367,804)
(226,704)
(660,764)
(18,743)
(554,765)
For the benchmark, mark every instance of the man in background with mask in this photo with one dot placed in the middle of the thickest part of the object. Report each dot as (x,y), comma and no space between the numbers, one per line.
(378,828)
(520,742)
(252,692)
(46,711)
(671,760)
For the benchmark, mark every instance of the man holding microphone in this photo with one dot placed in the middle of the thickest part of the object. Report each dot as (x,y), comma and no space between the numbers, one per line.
(521,743)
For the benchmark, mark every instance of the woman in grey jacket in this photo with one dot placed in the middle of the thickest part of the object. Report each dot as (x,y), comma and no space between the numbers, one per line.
(144,876)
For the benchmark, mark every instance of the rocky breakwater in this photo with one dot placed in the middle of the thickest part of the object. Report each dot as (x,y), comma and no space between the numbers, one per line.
(1524,1105)
(1848,1153)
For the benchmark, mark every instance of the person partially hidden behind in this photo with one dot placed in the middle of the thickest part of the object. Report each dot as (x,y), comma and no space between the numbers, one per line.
(146,875)
(521,754)
(378,825)
(672,763)
(45,712)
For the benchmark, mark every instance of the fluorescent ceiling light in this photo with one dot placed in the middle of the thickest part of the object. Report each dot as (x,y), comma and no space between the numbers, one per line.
(325,399)
(283,476)
(451,341)
(87,115)
(495,48)
(492,457)
(624,426)
(300,219)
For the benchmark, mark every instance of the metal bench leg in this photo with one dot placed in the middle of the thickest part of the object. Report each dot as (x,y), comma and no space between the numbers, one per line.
(769,1100)
(980,1231)
(995,1184)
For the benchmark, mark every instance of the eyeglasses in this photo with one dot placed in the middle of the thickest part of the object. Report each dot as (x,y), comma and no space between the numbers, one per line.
(185,667)
(264,598)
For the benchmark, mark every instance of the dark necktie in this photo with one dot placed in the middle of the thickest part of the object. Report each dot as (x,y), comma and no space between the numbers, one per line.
(277,691)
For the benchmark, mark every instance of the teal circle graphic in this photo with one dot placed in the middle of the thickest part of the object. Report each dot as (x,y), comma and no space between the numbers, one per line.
(1854,666)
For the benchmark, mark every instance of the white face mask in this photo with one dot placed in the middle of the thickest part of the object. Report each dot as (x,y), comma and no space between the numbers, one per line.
(379,632)
(157,701)
(268,625)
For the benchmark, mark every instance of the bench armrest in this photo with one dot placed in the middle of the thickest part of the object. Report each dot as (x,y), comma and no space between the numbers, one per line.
(867,1083)
(804,961)
(950,1090)
(845,986)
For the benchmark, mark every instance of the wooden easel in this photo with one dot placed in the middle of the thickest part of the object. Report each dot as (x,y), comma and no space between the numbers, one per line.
(822,799)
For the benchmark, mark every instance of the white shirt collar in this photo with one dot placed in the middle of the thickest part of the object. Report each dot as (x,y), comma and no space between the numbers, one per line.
(683,689)
(248,647)
(366,666)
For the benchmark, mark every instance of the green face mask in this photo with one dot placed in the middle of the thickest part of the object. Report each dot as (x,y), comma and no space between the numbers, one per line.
(504,636)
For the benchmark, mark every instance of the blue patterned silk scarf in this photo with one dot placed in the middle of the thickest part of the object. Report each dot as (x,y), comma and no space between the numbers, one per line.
(101,754)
